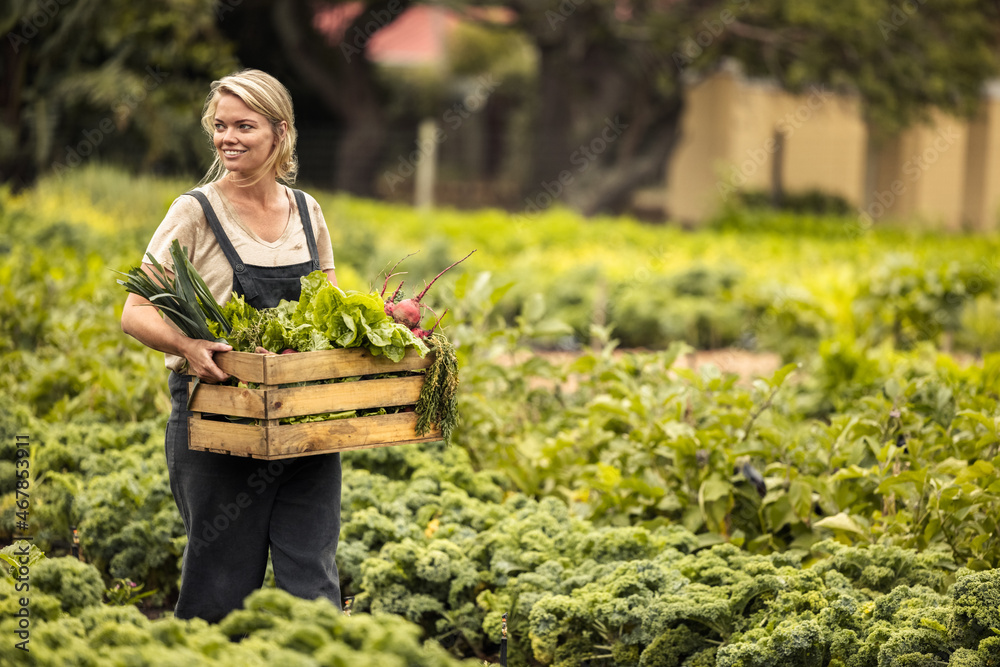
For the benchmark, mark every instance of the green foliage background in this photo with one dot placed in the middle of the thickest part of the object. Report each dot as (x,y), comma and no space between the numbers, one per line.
(623,509)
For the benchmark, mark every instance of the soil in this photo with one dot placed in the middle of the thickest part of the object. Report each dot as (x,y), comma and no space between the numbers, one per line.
(748,365)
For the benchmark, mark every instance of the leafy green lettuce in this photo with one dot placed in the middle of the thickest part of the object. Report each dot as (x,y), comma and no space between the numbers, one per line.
(323,318)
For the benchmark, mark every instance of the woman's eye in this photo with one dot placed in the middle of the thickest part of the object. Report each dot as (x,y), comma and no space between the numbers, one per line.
(246,126)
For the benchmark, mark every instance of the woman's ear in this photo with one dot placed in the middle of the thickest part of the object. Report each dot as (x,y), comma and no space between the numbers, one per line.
(280,130)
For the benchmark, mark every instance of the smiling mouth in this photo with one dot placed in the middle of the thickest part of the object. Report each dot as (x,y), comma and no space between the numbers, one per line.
(232,153)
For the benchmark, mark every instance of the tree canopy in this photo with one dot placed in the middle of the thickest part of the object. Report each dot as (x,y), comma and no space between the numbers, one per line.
(105,77)
(631,60)
(606,102)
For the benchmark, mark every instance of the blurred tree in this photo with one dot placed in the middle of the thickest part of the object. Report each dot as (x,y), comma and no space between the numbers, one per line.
(327,79)
(612,72)
(109,79)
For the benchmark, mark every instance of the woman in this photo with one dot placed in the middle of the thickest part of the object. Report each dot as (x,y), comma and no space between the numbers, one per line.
(248,233)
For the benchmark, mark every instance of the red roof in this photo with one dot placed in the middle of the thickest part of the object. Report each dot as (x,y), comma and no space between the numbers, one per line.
(418,36)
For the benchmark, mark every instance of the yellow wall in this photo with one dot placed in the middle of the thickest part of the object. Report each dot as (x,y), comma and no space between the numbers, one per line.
(982,167)
(945,175)
(705,136)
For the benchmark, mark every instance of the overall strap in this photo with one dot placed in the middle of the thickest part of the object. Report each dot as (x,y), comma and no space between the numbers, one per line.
(300,201)
(239,269)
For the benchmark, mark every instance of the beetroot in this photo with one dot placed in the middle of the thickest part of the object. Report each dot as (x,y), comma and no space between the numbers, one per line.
(407,311)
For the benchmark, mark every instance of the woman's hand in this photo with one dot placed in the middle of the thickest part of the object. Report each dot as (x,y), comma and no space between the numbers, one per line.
(199,354)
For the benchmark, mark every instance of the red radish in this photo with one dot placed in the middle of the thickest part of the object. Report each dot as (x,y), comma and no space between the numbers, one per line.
(289,350)
(426,333)
(390,304)
(407,311)
(390,274)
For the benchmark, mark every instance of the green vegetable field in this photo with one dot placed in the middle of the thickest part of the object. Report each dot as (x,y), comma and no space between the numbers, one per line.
(620,504)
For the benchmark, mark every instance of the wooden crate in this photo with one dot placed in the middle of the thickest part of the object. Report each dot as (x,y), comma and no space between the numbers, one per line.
(269,439)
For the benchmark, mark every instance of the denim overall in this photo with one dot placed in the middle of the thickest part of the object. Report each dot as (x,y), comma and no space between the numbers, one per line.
(236,509)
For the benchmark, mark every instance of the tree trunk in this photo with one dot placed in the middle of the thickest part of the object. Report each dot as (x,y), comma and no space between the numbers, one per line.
(551,143)
(613,183)
(340,80)
(606,124)
(16,164)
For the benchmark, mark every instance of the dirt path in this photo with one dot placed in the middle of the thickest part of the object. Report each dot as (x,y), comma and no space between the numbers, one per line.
(748,365)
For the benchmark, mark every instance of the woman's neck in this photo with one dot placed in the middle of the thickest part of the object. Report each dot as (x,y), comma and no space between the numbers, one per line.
(262,193)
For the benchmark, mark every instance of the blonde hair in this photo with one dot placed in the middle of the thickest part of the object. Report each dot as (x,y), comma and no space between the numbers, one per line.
(267,96)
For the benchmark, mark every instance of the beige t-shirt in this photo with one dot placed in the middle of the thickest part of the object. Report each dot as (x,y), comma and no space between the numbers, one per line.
(185,221)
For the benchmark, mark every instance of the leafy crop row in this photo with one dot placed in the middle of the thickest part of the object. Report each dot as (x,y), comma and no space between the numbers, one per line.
(870,445)
(623,510)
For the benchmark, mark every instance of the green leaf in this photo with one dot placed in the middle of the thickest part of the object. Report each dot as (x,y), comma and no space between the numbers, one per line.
(800,496)
(933,625)
(779,376)
(843,523)
(497,293)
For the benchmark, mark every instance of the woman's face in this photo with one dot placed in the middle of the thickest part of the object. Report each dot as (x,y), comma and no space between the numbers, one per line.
(243,137)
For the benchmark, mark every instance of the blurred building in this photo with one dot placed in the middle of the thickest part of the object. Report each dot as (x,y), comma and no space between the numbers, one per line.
(742,134)
(417,36)
(739,135)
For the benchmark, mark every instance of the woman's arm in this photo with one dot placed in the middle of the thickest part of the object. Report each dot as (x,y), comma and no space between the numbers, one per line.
(143,322)
(332,275)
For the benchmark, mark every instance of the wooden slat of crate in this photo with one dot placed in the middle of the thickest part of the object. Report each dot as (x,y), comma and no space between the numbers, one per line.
(325,364)
(281,442)
(247,366)
(274,369)
(207,435)
(232,401)
(342,396)
(342,435)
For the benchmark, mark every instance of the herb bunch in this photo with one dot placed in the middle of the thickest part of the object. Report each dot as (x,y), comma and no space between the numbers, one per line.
(438,402)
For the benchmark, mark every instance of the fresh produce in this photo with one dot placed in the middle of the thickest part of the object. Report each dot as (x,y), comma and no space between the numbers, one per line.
(407,311)
(438,402)
(184,299)
(325,317)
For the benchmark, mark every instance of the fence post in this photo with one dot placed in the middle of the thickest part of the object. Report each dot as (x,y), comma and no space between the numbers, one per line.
(423,189)
(503,640)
